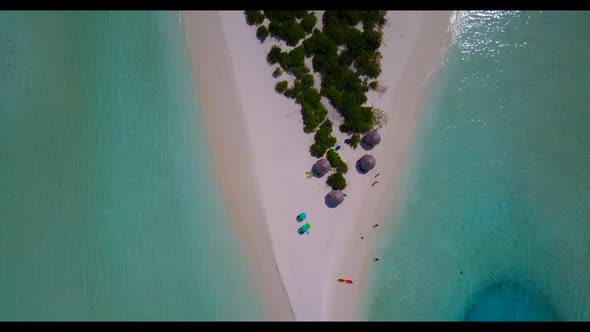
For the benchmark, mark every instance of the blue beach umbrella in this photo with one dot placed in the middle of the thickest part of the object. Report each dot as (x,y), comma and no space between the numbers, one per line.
(301,216)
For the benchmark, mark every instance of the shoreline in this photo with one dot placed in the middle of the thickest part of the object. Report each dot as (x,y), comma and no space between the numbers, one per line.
(261,155)
(409,72)
(244,207)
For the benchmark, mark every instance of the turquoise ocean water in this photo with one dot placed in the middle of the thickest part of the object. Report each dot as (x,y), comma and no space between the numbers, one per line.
(108,206)
(493,219)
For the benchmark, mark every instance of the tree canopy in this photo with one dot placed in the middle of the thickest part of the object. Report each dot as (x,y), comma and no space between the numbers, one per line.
(345,56)
(281,86)
(262,33)
(277,72)
(355,140)
(336,181)
(254,17)
(289,31)
(336,162)
(274,55)
(308,22)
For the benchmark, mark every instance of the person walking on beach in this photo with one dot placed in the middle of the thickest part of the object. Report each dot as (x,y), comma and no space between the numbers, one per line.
(376,260)
(375,225)
(377,175)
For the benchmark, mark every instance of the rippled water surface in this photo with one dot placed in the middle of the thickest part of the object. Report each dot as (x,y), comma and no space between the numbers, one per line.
(493,218)
(108,209)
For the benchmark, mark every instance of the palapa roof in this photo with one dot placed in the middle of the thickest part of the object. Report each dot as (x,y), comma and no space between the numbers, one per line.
(334,198)
(366,163)
(372,138)
(321,167)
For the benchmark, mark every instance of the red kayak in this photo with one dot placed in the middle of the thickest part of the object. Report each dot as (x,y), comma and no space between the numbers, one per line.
(346,281)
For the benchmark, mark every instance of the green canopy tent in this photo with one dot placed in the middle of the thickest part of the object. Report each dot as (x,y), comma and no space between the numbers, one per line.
(303,229)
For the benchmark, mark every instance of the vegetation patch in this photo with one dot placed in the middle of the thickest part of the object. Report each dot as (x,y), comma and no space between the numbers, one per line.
(277,72)
(254,17)
(323,140)
(336,181)
(281,86)
(284,26)
(262,33)
(345,55)
(336,162)
(354,140)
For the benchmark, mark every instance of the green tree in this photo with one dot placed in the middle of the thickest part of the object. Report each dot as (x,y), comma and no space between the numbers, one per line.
(345,79)
(368,64)
(317,150)
(374,85)
(274,55)
(358,120)
(320,43)
(262,33)
(293,62)
(374,19)
(345,76)
(300,13)
(336,162)
(297,57)
(274,28)
(308,96)
(346,58)
(352,99)
(291,33)
(350,17)
(372,39)
(355,43)
(299,72)
(281,86)
(277,72)
(254,17)
(290,93)
(334,96)
(329,16)
(355,140)
(336,181)
(312,116)
(294,91)
(325,64)
(337,31)
(307,81)
(285,61)
(280,16)
(308,22)
(324,135)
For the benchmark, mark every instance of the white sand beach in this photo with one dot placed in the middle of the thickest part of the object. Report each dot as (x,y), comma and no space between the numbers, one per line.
(261,156)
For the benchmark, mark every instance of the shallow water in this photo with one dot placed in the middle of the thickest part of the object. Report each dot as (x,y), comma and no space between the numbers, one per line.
(108,206)
(491,222)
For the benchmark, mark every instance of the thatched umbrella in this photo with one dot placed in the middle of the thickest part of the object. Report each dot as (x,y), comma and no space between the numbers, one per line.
(372,138)
(366,163)
(334,198)
(321,167)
